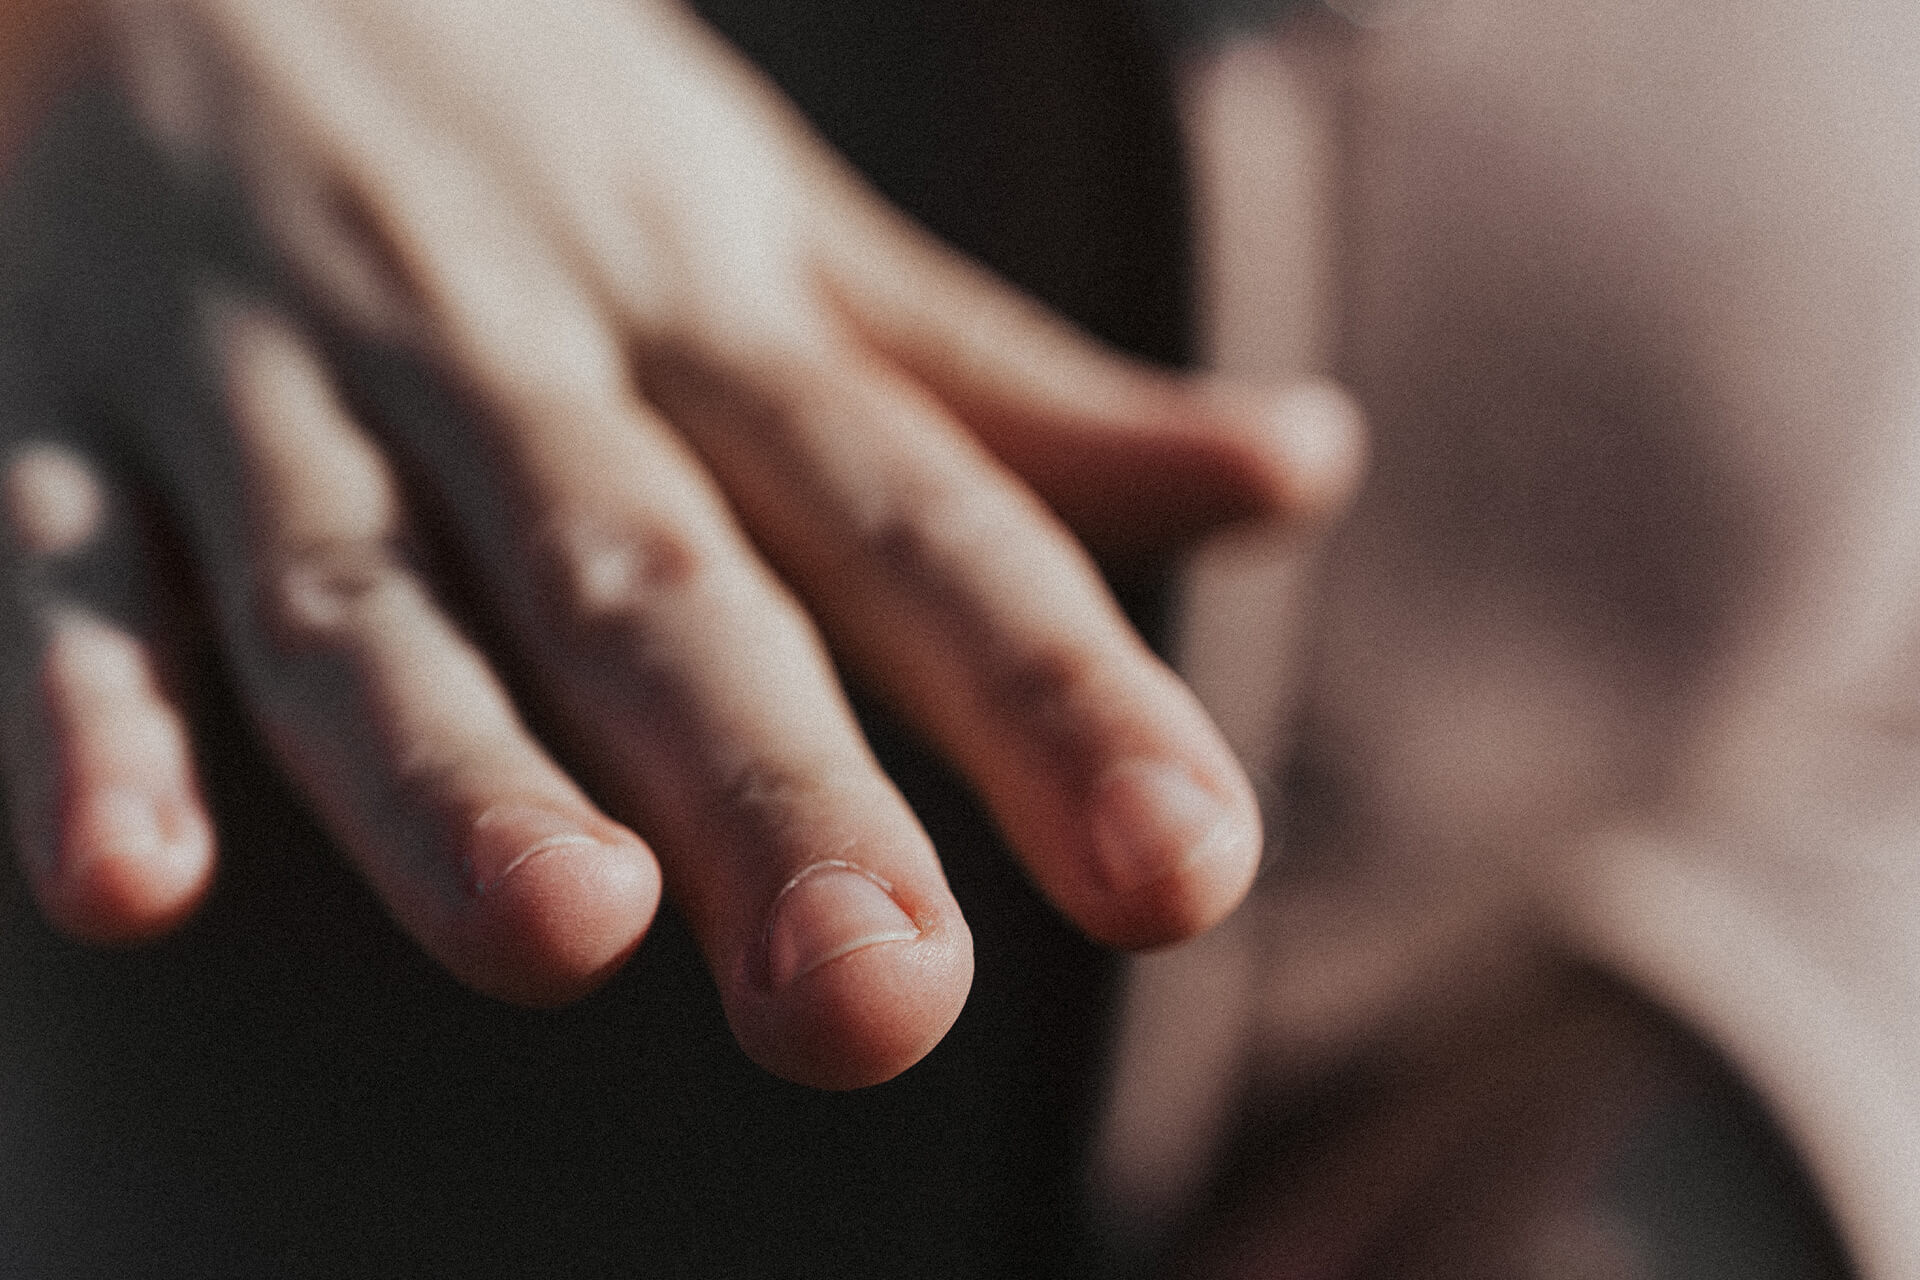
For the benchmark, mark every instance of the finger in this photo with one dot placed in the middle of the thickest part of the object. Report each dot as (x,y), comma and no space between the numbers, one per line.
(670,656)
(676,664)
(392,723)
(939,575)
(691,678)
(326,220)
(815,895)
(107,813)
(1133,458)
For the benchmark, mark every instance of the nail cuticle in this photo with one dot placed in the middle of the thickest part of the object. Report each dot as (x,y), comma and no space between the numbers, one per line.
(791,947)
(481,888)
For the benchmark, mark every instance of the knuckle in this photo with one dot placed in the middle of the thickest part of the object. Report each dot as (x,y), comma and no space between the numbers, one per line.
(53,499)
(606,585)
(1034,665)
(1050,687)
(925,537)
(770,806)
(314,598)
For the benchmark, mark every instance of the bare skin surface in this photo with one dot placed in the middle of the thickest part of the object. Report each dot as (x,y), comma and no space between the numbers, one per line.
(1613,665)
(710,411)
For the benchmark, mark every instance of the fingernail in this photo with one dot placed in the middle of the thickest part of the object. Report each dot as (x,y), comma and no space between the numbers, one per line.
(829,910)
(1152,818)
(509,836)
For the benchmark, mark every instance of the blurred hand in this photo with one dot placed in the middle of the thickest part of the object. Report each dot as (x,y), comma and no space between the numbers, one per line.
(720,411)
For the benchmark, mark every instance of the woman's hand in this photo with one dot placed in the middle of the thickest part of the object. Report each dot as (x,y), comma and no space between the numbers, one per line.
(719,412)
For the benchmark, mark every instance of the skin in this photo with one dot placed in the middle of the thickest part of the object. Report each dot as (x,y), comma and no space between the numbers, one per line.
(704,412)
(1613,666)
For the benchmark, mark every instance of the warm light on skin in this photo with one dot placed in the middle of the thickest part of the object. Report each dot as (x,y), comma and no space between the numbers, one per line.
(725,417)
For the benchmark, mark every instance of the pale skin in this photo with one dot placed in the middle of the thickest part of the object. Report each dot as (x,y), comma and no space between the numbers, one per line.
(1685,755)
(727,413)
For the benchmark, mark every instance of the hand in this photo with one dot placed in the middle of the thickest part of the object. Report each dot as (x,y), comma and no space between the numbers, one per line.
(719,410)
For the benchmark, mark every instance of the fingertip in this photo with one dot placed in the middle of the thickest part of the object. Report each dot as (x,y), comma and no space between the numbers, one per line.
(1175,851)
(851,985)
(559,914)
(863,1018)
(118,843)
(1311,445)
(1181,457)
(129,866)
